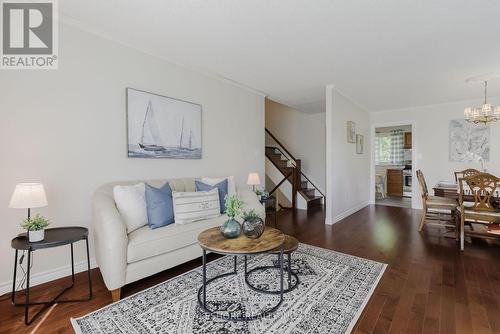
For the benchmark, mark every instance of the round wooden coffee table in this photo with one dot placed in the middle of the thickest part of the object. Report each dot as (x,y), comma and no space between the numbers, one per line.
(290,245)
(212,240)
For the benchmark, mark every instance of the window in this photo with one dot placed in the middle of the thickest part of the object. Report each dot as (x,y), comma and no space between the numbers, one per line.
(383,150)
(389,148)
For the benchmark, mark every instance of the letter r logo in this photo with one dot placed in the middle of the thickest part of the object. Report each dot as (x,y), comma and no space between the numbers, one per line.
(27,28)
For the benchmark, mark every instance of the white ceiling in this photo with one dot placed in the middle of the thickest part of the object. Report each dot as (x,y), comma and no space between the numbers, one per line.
(384,54)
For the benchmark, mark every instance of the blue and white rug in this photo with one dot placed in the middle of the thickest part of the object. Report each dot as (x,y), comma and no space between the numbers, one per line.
(333,290)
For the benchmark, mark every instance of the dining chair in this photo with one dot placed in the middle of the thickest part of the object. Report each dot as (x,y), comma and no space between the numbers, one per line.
(466,172)
(380,192)
(477,207)
(438,211)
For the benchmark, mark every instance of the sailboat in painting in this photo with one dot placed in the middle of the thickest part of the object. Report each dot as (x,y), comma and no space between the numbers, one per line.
(189,146)
(160,127)
(150,135)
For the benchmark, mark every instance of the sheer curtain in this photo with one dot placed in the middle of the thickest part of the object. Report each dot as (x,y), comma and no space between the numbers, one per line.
(389,148)
(397,147)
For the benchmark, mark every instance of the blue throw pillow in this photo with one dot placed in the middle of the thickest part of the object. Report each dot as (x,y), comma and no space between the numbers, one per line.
(221,186)
(159,206)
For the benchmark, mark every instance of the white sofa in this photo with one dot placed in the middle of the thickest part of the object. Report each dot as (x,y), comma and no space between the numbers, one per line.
(124,258)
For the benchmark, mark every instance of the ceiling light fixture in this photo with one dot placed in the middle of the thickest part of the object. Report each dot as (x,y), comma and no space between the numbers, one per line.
(484,114)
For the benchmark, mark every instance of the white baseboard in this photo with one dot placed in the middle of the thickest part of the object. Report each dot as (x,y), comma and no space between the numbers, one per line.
(48,275)
(346,213)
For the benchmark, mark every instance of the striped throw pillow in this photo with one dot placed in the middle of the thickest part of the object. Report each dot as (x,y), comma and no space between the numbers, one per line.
(193,206)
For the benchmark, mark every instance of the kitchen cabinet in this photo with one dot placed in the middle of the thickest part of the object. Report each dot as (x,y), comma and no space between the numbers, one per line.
(395,182)
(407,140)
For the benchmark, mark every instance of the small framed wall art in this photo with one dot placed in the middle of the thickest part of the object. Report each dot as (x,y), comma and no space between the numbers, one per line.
(360,144)
(351,132)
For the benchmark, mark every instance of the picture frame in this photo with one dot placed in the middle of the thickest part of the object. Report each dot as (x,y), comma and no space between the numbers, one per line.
(162,127)
(360,143)
(351,132)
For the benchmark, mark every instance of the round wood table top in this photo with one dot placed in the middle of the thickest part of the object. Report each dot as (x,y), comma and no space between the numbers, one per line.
(291,244)
(214,241)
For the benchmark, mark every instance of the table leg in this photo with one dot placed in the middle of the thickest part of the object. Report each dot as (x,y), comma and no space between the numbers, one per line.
(246,266)
(13,295)
(204,278)
(72,266)
(26,303)
(235,259)
(88,268)
(289,270)
(281,273)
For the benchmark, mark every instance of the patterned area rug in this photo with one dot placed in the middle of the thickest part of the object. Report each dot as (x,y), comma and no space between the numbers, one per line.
(332,292)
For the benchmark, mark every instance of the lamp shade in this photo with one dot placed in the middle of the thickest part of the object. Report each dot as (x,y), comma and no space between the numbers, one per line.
(28,195)
(253,179)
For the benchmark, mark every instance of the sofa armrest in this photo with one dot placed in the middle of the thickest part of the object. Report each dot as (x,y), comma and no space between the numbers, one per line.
(110,239)
(252,202)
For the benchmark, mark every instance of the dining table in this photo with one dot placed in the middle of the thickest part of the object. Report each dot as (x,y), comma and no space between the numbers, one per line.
(450,190)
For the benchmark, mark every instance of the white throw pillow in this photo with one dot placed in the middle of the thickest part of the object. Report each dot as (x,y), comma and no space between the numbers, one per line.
(192,206)
(231,185)
(131,203)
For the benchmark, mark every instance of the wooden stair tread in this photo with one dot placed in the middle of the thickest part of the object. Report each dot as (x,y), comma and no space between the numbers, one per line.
(315,198)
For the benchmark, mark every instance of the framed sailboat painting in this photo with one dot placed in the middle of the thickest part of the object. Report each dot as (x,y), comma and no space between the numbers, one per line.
(162,127)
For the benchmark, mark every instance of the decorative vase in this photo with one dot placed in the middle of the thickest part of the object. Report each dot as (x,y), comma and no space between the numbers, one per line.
(230,229)
(34,236)
(253,229)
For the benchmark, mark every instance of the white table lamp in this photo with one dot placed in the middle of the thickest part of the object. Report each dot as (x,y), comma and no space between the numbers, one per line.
(253,180)
(27,196)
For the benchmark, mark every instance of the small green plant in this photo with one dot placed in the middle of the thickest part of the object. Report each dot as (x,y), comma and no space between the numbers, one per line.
(262,193)
(233,206)
(36,223)
(250,216)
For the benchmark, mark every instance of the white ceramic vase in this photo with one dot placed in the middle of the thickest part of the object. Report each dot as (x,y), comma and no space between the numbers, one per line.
(35,236)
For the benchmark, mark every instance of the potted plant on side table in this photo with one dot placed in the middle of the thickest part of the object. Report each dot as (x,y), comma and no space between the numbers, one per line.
(231,228)
(35,227)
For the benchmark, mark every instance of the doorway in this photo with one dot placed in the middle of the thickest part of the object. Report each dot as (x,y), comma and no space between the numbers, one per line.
(393,165)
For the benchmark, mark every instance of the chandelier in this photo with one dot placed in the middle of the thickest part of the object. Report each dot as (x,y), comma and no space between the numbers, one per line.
(484,114)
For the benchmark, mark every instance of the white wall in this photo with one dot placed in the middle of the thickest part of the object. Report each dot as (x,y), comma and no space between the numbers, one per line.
(66,128)
(303,134)
(430,136)
(348,173)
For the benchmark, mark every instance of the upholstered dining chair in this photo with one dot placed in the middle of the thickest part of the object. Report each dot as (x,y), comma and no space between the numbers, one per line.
(466,172)
(483,188)
(438,211)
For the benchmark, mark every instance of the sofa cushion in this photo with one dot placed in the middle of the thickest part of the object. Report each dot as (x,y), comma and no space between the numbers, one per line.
(221,187)
(159,206)
(131,203)
(231,185)
(145,242)
(194,206)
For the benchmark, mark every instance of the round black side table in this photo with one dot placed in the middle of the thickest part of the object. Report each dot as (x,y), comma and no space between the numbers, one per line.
(54,237)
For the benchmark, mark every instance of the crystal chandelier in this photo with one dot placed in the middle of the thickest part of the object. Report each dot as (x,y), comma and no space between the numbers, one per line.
(484,114)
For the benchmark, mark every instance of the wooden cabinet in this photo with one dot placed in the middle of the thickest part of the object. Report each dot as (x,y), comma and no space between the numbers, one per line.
(395,182)
(407,140)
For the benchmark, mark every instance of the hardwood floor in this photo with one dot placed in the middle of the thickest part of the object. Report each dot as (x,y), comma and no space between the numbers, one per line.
(429,285)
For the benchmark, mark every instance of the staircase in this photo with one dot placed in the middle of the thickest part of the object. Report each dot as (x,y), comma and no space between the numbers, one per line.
(290,168)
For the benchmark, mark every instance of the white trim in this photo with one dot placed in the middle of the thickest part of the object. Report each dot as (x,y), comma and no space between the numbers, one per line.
(345,214)
(48,275)
(414,163)
(367,299)
(460,102)
(329,155)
